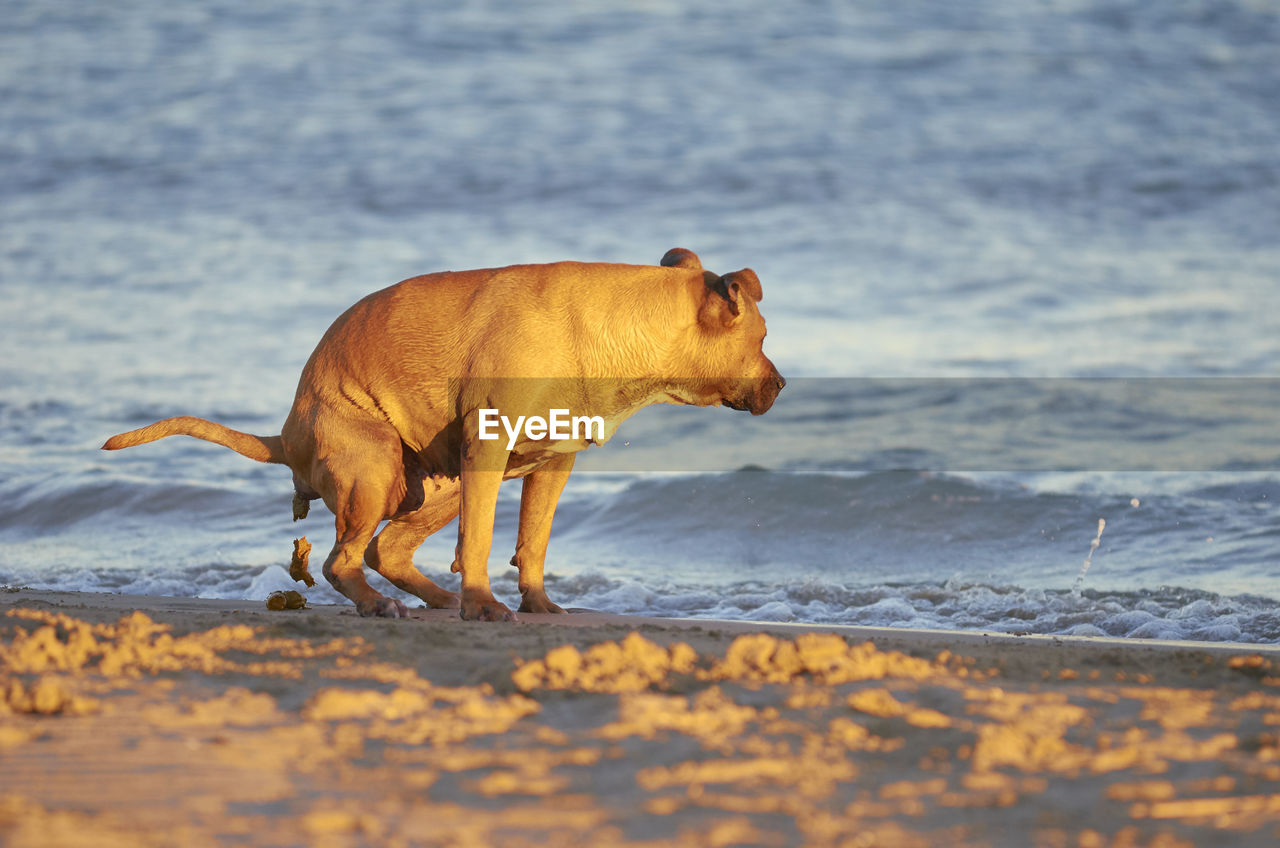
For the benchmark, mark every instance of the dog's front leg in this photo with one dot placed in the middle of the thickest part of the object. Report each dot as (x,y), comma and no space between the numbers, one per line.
(483,463)
(539,494)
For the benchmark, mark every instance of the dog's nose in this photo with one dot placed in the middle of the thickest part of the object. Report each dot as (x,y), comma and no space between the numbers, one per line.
(782,381)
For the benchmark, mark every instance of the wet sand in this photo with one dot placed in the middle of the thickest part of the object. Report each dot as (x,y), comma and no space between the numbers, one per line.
(128,720)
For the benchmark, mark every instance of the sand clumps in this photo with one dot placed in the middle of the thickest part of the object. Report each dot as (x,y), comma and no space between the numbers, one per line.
(636,664)
(135,645)
(27,824)
(710,716)
(440,718)
(880,702)
(825,658)
(1032,732)
(1028,732)
(981,747)
(632,665)
(613,738)
(418,713)
(131,647)
(235,707)
(811,773)
(49,695)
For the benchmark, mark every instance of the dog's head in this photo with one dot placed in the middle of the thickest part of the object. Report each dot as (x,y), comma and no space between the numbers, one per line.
(730,339)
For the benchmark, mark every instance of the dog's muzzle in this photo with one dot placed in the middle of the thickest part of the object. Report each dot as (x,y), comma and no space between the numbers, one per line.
(759,396)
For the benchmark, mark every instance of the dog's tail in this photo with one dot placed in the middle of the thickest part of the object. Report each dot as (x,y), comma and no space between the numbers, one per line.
(260,448)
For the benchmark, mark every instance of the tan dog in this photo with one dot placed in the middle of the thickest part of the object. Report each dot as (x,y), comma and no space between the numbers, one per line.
(386,420)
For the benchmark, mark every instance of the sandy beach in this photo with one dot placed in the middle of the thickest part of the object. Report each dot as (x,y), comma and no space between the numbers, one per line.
(130,720)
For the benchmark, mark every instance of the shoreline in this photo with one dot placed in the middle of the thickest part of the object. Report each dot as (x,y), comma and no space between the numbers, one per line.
(171,608)
(230,722)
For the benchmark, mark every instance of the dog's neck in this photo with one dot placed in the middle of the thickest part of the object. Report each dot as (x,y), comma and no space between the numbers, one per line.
(645,347)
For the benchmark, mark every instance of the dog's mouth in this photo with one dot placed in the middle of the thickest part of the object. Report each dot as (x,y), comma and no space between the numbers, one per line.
(678,398)
(759,397)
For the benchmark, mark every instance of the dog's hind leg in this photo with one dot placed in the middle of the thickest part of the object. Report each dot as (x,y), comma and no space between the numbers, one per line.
(363,484)
(391,551)
(539,494)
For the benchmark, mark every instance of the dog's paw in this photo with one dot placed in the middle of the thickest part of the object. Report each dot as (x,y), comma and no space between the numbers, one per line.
(538,602)
(383,608)
(486,610)
(444,599)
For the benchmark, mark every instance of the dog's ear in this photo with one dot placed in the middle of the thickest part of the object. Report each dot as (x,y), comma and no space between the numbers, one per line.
(723,305)
(719,307)
(678,257)
(744,280)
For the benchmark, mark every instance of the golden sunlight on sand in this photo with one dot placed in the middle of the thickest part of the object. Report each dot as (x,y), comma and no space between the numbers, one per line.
(199,722)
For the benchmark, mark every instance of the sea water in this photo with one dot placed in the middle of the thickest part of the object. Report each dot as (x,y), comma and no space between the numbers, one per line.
(1020,264)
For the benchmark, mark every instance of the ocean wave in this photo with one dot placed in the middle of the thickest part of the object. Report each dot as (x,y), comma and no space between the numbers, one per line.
(1163,613)
(844,528)
(1166,612)
(917,526)
(52,505)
